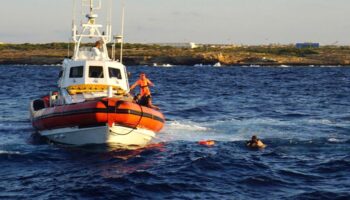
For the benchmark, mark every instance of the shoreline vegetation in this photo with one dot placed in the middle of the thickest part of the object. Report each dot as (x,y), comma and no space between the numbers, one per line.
(149,54)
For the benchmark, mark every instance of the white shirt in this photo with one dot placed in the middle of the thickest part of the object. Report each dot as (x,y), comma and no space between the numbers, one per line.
(97,53)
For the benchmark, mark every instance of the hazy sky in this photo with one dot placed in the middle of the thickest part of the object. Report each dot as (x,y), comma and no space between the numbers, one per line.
(201,21)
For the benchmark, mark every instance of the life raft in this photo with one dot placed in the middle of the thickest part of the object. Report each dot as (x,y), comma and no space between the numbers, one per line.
(106,111)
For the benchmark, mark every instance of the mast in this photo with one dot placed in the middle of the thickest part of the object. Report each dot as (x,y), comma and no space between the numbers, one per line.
(120,38)
(122,34)
(91,6)
(90,29)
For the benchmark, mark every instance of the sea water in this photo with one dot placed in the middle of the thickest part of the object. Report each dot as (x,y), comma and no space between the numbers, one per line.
(301,113)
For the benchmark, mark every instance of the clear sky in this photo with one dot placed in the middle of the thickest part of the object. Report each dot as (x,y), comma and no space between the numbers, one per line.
(201,21)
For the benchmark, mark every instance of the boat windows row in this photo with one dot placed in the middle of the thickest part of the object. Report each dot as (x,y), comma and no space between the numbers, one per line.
(94,72)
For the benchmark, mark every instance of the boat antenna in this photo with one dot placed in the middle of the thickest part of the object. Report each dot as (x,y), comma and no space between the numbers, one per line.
(119,38)
(122,32)
(109,15)
(68,47)
(74,9)
(91,6)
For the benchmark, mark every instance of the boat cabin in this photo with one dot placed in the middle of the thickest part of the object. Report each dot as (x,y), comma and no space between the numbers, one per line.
(87,79)
(91,73)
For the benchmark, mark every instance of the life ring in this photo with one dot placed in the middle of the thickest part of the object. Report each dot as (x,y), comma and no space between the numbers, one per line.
(208,143)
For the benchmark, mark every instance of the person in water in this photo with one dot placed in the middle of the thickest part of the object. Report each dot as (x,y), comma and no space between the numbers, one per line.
(255,143)
(145,97)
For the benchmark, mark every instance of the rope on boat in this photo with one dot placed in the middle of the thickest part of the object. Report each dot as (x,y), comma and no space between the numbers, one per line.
(134,128)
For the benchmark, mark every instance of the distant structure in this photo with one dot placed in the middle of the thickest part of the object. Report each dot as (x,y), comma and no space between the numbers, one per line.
(191,45)
(307,45)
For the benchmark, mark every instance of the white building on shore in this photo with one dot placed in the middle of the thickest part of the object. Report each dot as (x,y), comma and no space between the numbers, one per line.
(191,45)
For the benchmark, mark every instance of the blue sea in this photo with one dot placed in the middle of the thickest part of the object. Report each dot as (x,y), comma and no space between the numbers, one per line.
(302,114)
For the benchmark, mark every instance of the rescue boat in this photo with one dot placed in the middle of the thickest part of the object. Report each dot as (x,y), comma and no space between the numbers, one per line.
(92,104)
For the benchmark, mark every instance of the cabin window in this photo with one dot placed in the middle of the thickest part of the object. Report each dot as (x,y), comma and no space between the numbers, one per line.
(76,72)
(96,72)
(114,73)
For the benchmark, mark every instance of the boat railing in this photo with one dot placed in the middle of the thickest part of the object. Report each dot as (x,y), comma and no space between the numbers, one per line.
(87,53)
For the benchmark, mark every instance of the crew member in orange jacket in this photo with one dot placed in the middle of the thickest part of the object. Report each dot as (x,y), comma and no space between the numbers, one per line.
(144,83)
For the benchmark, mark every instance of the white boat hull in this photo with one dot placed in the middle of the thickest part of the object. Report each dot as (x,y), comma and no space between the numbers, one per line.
(117,136)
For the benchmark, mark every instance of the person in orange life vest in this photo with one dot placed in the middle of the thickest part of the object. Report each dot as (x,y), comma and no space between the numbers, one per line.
(145,92)
(143,83)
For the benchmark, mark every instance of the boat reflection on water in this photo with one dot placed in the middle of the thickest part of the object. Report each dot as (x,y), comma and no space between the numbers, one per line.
(117,151)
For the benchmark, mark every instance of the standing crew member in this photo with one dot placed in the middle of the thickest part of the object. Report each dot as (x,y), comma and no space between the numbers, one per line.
(143,82)
(145,93)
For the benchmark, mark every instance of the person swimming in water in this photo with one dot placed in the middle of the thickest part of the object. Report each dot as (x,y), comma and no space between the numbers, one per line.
(255,143)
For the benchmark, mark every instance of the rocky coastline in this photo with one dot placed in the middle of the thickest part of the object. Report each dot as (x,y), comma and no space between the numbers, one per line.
(143,54)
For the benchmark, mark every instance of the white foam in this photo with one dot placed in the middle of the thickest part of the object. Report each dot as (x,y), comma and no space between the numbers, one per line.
(330,66)
(253,121)
(284,66)
(328,122)
(201,65)
(15,127)
(320,121)
(253,66)
(10,152)
(189,126)
(184,130)
(239,129)
(335,140)
(226,130)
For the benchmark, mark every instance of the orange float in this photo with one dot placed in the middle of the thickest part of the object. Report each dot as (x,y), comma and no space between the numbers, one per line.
(208,143)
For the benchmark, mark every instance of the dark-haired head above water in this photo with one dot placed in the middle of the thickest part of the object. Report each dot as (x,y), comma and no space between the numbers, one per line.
(255,143)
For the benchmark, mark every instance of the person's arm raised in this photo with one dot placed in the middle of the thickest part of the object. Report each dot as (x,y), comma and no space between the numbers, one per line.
(150,83)
(134,85)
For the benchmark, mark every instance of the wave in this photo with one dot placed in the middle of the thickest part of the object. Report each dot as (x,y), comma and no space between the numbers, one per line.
(330,66)
(219,130)
(225,130)
(320,121)
(284,66)
(337,140)
(4,152)
(263,181)
(197,131)
(12,139)
(14,126)
(319,194)
(189,126)
(183,130)
(337,124)
(32,65)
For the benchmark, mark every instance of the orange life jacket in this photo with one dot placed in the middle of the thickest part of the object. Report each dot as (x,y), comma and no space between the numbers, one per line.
(144,89)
